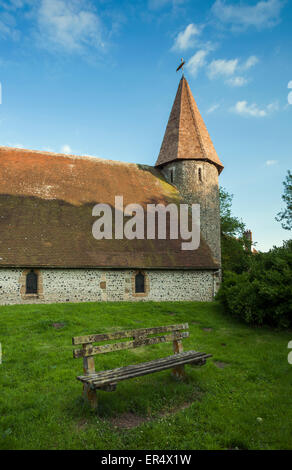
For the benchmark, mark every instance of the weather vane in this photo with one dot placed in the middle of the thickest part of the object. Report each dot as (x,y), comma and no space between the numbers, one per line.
(181,66)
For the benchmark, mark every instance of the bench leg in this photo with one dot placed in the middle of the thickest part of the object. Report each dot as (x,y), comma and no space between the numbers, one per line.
(90,396)
(178,371)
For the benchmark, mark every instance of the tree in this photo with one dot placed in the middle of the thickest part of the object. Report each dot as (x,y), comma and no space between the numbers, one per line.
(285,216)
(261,294)
(235,256)
(230,225)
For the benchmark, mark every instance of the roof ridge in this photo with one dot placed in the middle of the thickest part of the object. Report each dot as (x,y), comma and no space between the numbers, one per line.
(69,155)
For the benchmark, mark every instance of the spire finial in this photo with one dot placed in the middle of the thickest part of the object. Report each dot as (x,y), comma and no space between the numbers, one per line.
(181,66)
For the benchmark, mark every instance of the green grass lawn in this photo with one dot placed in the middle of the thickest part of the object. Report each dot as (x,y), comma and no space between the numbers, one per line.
(215,408)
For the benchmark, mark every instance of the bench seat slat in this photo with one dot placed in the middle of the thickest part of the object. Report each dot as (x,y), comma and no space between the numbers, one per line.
(157,369)
(90,350)
(132,367)
(123,373)
(129,375)
(128,333)
(152,367)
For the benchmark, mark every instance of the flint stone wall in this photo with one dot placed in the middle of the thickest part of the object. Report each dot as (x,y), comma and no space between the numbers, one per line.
(92,285)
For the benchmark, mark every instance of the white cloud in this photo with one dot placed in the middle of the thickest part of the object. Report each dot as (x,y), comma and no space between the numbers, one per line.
(250,62)
(271,162)
(66,149)
(273,107)
(186,39)
(244,109)
(264,14)
(227,68)
(69,24)
(213,108)
(237,81)
(197,61)
(222,67)
(289,84)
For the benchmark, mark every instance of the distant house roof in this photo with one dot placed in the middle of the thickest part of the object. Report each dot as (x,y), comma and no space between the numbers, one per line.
(186,136)
(46,203)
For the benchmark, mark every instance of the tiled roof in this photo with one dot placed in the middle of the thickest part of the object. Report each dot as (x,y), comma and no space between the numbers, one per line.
(186,136)
(46,203)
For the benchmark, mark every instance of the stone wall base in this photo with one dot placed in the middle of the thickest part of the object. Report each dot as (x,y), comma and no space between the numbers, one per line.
(92,285)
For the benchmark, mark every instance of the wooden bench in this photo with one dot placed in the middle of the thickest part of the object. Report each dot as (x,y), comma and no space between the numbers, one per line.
(108,379)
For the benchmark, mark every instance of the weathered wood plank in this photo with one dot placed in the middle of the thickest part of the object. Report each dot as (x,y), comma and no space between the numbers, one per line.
(89,395)
(90,350)
(88,363)
(128,333)
(116,371)
(138,373)
(168,361)
(128,375)
(179,371)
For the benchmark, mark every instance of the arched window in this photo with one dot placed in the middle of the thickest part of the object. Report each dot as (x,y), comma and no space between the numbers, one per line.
(139,283)
(31,283)
(171,176)
(200,174)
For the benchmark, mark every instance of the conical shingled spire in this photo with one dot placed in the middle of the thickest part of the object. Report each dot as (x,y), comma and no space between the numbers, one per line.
(186,136)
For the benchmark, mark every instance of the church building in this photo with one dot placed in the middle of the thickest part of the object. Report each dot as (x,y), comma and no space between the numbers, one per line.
(47,249)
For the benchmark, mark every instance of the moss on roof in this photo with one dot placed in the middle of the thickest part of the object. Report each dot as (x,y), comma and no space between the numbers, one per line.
(46,203)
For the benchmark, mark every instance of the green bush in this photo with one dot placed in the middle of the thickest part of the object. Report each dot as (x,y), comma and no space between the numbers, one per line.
(263,293)
(234,255)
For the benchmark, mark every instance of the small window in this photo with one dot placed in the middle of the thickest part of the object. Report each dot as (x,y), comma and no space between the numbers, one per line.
(139,283)
(200,174)
(171,176)
(31,283)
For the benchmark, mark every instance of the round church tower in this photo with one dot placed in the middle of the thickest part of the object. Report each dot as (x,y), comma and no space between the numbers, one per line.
(189,160)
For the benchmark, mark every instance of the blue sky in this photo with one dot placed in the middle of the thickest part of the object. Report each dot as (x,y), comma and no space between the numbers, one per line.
(98,78)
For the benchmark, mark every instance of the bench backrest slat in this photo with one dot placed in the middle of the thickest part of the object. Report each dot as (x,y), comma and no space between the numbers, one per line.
(128,334)
(90,350)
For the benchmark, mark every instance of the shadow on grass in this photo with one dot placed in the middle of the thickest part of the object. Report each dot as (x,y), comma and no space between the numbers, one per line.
(138,401)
